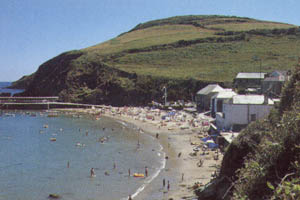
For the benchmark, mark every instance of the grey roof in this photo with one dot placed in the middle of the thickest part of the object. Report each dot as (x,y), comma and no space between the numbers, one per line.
(250,99)
(280,72)
(210,88)
(224,95)
(251,75)
(275,78)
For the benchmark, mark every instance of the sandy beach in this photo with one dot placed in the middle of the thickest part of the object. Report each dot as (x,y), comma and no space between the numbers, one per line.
(179,133)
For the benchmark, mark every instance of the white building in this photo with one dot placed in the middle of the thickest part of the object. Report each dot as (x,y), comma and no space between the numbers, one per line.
(218,99)
(203,96)
(240,110)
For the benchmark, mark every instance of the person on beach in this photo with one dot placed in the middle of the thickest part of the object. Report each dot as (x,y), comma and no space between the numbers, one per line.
(92,172)
(164,182)
(129,172)
(182,177)
(157,135)
(68,164)
(168,185)
(115,165)
(146,171)
(129,198)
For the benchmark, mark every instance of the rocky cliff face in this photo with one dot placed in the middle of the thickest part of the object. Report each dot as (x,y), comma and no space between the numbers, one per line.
(73,79)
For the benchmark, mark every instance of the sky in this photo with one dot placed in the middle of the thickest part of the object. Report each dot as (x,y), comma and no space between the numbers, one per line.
(34,31)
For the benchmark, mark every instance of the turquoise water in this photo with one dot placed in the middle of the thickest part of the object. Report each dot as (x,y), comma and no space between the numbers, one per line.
(32,166)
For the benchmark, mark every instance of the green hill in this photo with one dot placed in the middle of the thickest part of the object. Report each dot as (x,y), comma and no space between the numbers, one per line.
(200,47)
(185,53)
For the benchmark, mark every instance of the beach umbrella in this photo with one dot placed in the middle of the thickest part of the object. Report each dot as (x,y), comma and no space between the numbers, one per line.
(206,138)
(212,145)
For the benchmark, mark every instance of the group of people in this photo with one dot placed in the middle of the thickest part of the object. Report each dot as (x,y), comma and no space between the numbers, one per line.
(92,171)
(164,185)
(92,174)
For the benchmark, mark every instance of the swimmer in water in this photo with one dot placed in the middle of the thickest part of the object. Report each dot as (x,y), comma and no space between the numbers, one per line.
(92,172)
(146,171)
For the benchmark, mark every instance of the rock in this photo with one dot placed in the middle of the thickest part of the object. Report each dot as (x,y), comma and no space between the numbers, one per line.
(214,190)
(54,196)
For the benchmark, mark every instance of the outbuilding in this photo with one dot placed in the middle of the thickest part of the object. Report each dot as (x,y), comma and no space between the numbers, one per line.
(246,80)
(203,96)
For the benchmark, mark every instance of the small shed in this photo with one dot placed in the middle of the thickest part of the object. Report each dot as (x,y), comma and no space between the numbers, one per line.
(203,96)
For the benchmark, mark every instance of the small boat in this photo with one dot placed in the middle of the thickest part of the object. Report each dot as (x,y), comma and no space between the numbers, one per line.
(78,144)
(53,139)
(52,115)
(138,175)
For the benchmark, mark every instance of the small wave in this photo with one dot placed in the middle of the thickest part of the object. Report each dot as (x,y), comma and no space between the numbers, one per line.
(123,123)
(150,179)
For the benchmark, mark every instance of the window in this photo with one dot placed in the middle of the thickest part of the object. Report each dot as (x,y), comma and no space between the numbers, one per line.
(253,117)
(220,106)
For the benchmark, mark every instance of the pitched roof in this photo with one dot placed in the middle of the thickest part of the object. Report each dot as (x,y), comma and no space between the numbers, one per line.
(224,94)
(275,78)
(254,75)
(210,88)
(280,72)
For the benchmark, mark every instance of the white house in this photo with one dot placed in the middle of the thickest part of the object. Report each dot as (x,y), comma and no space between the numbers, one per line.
(217,100)
(240,110)
(203,96)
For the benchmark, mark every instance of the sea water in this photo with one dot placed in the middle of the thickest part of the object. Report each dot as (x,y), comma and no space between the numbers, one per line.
(32,166)
(4,89)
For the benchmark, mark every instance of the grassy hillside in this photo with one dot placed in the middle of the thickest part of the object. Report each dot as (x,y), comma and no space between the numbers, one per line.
(186,53)
(213,54)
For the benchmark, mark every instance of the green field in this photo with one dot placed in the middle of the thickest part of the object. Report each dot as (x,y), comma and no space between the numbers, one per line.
(208,60)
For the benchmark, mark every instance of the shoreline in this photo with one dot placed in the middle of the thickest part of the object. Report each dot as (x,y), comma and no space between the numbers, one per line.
(177,145)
